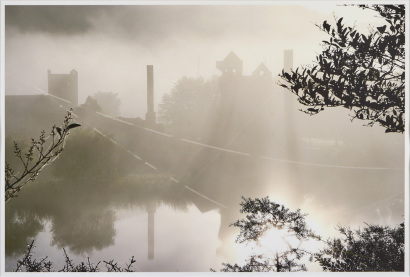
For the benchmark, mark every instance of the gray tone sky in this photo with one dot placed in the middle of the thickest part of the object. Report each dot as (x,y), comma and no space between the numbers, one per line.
(110,46)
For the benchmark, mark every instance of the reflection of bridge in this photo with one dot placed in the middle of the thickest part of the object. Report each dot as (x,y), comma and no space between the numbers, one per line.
(245,154)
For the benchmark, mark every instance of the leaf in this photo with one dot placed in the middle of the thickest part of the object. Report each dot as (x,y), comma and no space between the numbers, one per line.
(389,120)
(326,26)
(339,22)
(73,125)
(382,29)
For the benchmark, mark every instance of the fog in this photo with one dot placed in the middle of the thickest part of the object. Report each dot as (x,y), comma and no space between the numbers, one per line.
(110,45)
(222,133)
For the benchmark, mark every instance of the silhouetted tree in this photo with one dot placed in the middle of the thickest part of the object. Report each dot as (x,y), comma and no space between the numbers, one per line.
(41,153)
(375,248)
(108,102)
(362,72)
(263,215)
(91,104)
(187,110)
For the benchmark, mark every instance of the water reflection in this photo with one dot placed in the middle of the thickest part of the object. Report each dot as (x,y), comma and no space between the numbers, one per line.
(82,209)
(80,220)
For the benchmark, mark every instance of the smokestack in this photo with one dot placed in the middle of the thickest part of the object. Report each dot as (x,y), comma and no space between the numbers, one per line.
(150,115)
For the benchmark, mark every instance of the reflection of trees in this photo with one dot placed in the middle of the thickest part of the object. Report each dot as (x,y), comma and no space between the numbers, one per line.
(20,228)
(79,219)
(84,229)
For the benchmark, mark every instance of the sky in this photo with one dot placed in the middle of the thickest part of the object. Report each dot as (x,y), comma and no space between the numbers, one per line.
(110,46)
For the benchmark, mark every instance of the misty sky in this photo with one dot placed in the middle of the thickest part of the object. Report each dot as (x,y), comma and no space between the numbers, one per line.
(110,46)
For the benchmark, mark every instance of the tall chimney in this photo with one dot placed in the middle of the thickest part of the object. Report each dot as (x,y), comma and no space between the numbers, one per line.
(150,115)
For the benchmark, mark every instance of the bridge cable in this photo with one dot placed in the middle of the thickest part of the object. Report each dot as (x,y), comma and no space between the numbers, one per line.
(135,155)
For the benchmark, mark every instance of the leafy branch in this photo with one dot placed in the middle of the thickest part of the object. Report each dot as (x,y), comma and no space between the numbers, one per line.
(362,72)
(263,215)
(41,153)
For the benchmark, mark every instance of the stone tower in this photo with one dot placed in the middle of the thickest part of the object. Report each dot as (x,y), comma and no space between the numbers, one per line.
(64,86)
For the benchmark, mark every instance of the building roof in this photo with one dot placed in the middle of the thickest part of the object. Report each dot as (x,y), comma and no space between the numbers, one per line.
(262,71)
(230,63)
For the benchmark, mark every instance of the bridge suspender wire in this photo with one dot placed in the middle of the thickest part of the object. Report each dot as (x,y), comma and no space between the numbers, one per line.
(210,199)
(230,150)
(262,157)
(124,148)
(135,155)
(62,99)
(155,168)
(248,154)
(207,198)
(223,149)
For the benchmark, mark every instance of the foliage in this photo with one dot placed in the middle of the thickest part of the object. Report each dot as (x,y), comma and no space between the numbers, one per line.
(261,216)
(21,226)
(108,102)
(28,264)
(362,72)
(376,248)
(187,110)
(92,104)
(41,153)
